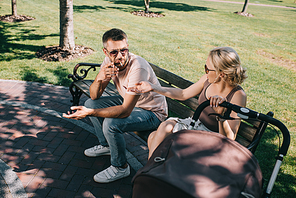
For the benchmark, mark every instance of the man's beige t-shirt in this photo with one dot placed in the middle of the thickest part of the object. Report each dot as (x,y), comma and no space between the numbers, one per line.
(137,70)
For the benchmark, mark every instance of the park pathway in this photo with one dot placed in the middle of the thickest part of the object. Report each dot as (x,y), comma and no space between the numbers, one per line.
(41,153)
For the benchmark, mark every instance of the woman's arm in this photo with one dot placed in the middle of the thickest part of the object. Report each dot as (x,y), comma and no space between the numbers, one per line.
(175,93)
(229,128)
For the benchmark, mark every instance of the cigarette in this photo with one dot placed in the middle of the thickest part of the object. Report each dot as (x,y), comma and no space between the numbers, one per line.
(121,64)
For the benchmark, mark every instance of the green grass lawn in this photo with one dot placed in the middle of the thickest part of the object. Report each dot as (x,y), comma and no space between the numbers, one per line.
(178,42)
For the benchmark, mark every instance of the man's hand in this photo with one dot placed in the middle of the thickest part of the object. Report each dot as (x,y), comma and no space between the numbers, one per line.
(107,71)
(77,112)
(141,87)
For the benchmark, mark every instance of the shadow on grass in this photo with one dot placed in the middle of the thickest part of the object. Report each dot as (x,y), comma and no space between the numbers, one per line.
(29,74)
(161,5)
(10,33)
(87,8)
(275,1)
(266,154)
(61,74)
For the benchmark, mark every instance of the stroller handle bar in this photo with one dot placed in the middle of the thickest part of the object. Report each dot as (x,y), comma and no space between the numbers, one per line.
(246,113)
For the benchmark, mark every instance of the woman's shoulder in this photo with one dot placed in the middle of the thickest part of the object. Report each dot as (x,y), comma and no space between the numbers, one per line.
(239,98)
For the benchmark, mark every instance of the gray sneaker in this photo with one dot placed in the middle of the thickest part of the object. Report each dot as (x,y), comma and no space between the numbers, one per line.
(112,174)
(97,151)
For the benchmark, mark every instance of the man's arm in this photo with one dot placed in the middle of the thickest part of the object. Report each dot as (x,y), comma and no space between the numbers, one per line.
(120,111)
(97,88)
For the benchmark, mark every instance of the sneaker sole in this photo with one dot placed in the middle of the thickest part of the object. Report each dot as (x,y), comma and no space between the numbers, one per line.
(101,154)
(109,181)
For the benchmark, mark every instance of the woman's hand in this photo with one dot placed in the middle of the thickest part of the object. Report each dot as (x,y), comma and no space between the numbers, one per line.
(141,87)
(214,103)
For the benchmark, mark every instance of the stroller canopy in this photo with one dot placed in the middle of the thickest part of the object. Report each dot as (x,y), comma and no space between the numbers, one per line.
(199,164)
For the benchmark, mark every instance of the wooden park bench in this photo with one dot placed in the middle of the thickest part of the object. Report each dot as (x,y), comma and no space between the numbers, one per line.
(249,133)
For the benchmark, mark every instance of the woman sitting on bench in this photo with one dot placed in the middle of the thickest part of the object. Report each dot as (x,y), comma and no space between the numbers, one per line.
(221,82)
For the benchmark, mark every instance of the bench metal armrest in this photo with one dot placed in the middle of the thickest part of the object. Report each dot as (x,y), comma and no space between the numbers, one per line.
(75,76)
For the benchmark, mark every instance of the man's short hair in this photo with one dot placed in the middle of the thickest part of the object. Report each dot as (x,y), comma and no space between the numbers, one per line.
(114,34)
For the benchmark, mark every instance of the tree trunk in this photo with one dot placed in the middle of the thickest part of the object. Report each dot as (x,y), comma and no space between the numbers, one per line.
(245,6)
(147,5)
(66,25)
(13,8)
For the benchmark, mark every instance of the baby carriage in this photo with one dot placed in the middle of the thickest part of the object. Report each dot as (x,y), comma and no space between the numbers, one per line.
(203,164)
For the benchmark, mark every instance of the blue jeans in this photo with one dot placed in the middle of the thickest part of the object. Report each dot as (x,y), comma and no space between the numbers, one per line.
(109,130)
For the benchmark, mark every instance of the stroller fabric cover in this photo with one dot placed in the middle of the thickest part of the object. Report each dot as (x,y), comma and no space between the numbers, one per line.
(199,164)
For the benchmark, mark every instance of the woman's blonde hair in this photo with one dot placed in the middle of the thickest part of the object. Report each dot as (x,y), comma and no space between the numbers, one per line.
(227,61)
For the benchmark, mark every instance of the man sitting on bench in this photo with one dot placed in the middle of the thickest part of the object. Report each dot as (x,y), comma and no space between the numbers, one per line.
(114,115)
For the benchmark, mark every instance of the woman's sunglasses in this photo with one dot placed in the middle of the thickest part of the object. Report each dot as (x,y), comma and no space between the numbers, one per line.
(114,53)
(207,70)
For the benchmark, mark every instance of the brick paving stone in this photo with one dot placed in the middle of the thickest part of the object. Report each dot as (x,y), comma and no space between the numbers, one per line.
(55,183)
(76,149)
(61,149)
(80,163)
(54,166)
(49,157)
(84,191)
(75,183)
(40,192)
(124,191)
(89,173)
(46,151)
(67,157)
(25,178)
(47,172)
(69,172)
(34,184)
(71,142)
(55,192)
(103,193)
(55,142)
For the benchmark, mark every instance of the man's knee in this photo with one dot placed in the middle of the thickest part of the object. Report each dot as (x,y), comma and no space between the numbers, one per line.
(89,103)
(111,125)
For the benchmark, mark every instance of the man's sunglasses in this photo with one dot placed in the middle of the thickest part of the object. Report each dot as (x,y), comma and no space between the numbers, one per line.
(114,53)
(207,70)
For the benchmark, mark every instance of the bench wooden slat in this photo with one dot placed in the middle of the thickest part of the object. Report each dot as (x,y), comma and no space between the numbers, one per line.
(83,86)
(171,77)
(247,131)
(112,91)
(242,141)
(179,109)
(254,122)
